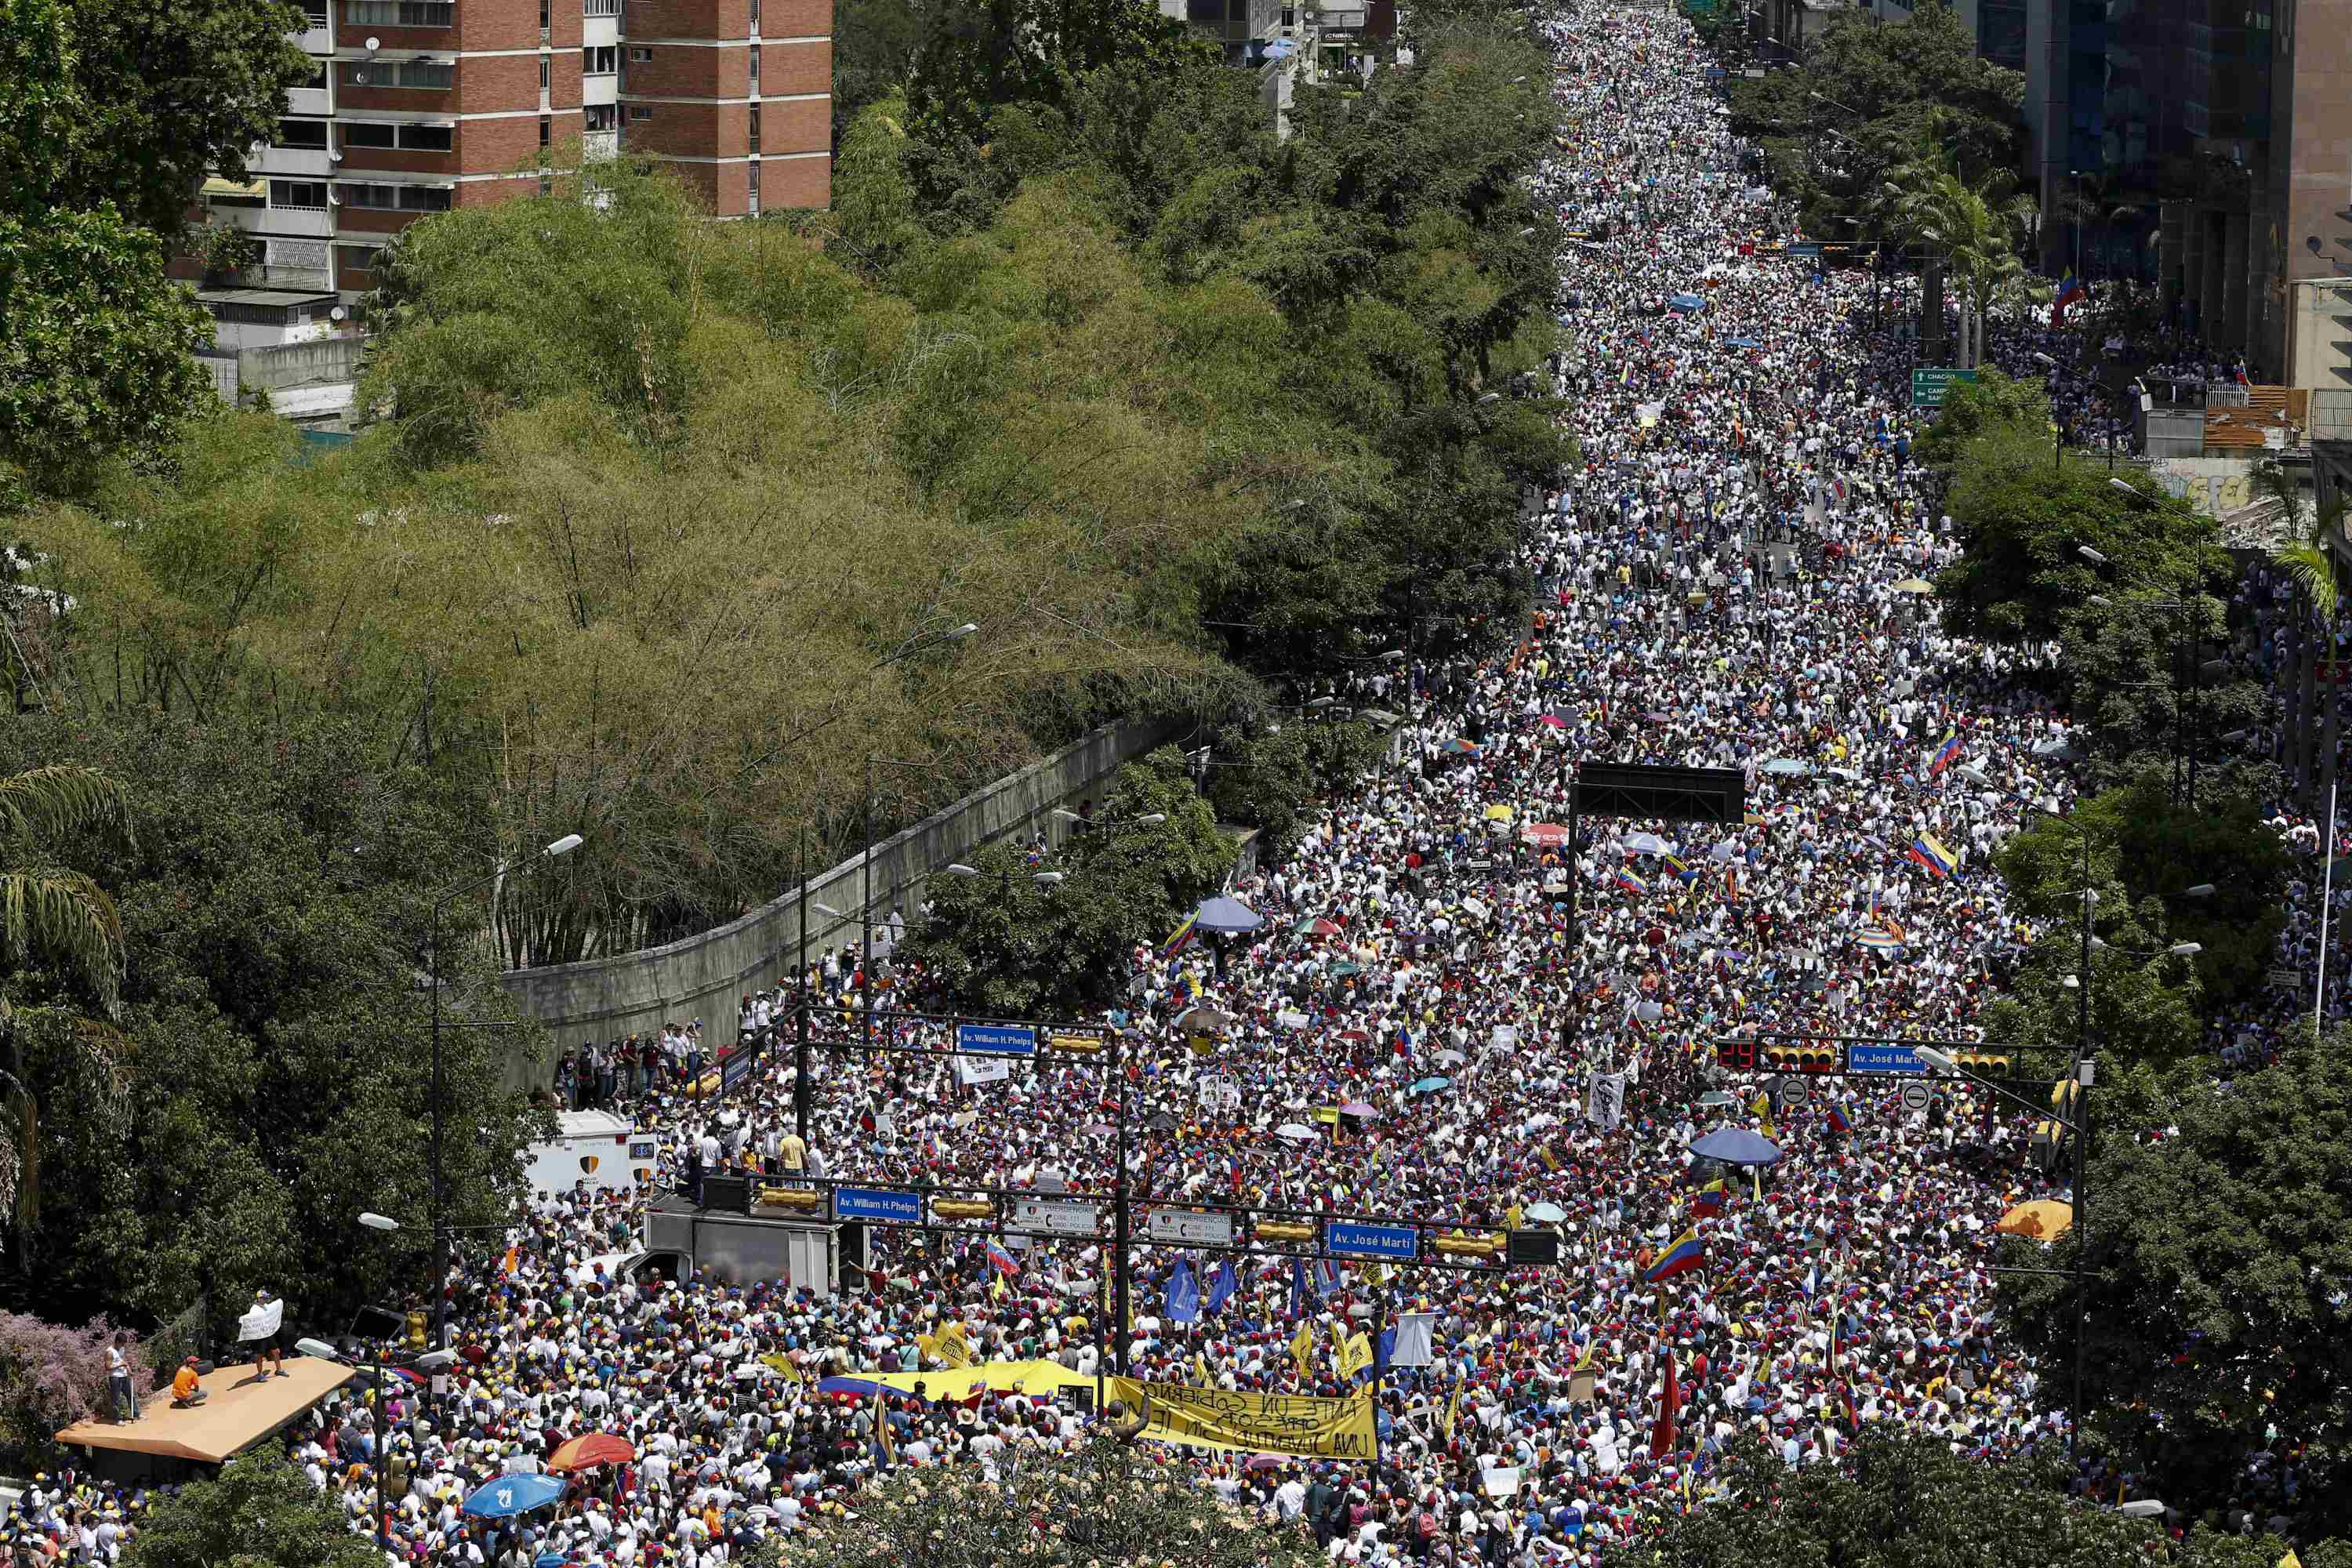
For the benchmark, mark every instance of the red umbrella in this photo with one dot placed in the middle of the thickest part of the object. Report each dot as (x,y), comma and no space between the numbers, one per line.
(595,1449)
(1544,834)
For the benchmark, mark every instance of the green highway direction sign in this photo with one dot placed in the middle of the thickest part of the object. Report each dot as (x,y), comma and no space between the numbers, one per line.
(1927,384)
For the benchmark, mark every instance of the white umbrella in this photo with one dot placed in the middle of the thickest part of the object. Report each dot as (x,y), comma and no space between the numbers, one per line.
(1645,844)
(1295,1132)
(1547,1214)
(1723,852)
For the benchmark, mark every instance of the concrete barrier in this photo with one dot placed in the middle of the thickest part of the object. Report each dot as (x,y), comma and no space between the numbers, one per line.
(703,976)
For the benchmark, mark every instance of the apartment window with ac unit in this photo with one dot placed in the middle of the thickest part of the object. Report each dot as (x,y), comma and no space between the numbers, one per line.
(399,13)
(602,60)
(367,133)
(427,76)
(303,134)
(297,194)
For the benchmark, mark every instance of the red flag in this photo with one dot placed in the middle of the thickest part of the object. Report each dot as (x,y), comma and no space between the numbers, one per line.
(1662,1437)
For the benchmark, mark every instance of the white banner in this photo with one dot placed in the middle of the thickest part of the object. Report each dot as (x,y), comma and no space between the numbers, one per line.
(973,1071)
(262,1322)
(1606,1103)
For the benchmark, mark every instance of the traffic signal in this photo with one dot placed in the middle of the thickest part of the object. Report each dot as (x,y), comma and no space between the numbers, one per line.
(416,1331)
(1802,1058)
(1981,1061)
(1736,1054)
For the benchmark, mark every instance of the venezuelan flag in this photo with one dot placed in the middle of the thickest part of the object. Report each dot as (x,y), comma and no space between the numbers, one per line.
(1682,870)
(1629,883)
(1002,1261)
(1840,1120)
(1708,1201)
(1175,944)
(1686,1254)
(1944,753)
(1929,851)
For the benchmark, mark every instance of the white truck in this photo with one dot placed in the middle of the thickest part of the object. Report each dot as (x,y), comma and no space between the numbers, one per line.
(595,1147)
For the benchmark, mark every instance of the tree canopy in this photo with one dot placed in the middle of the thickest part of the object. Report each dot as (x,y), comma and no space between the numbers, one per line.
(2221,1261)
(258,1510)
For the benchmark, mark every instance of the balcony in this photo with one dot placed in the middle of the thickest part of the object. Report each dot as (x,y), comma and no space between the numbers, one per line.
(317,35)
(598,146)
(308,103)
(290,162)
(280,222)
(605,88)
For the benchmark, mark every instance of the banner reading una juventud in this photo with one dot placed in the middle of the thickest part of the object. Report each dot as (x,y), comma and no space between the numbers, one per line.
(1253,1423)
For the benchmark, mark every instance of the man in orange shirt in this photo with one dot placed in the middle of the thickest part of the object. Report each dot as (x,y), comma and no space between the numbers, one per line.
(185,1389)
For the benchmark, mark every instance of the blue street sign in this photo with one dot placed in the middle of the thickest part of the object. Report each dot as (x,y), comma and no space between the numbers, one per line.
(877,1203)
(999,1039)
(738,1068)
(1882,1059)
(1371,1240)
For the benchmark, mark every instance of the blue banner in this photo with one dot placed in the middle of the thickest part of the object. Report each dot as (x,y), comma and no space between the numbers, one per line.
(1882,1059)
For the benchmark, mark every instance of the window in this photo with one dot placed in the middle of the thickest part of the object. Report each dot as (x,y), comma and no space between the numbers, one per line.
(399,13)
(426,138)
(363,257)
(641,56)
(423,75)
(367,133)
(545,67)
(318,76)
(754,187)
(755,19)
(303,134)
(755,63)
(297,194)
(602,60)
(397,199)
(755,128)
(542,18)
(601,117)
(546,130)
(640,111)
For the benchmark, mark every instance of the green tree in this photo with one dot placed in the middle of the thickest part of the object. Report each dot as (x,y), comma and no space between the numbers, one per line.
(258,1510)
(1102,1505)
(95,343)
(1268,781)
(2023,522)
(1001,943)
(170,92)
(53,916)
(273,892)
(1911,1502)
(2219,1269)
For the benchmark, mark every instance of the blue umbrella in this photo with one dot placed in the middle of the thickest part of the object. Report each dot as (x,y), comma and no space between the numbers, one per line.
(1431,1085)
(1737,1146)
(1224,914)
(551,1559)
(1742,343)
(511,1494)
(1687,302)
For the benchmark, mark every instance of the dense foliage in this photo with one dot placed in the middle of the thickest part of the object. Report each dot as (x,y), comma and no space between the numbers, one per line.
(1865,97)
(1103,1506)
(1162,403)
(2220,1261)
(273,889)
(1912,1503)
(1003,944)
(257,1511)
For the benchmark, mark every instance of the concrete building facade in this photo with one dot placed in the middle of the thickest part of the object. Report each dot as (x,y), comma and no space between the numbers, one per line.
(419,106)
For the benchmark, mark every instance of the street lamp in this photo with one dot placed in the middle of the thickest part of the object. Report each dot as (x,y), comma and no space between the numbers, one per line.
(560,848)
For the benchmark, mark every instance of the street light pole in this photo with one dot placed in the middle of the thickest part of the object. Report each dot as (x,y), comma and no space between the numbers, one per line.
(562,847)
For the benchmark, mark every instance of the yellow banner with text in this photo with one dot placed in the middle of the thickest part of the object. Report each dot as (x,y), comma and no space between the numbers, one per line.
(1253,1423)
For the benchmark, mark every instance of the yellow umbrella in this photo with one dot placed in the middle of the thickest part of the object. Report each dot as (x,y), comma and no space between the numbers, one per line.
(2043,1219)
(1498,814)
(1915,586)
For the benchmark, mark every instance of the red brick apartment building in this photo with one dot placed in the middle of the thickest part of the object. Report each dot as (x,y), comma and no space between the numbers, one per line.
(418,106)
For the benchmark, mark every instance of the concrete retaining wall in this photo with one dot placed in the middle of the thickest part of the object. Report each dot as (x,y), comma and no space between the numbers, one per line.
(703,976)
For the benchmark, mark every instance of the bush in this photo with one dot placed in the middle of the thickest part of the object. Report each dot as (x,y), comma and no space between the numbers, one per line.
(1102,1507)
(50,1377)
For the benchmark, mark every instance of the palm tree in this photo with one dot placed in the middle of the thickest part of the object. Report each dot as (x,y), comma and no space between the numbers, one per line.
(51,914)
(1971,233)
(2306,555)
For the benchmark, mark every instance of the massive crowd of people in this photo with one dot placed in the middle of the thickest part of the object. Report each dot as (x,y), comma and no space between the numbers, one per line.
(1727,580)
